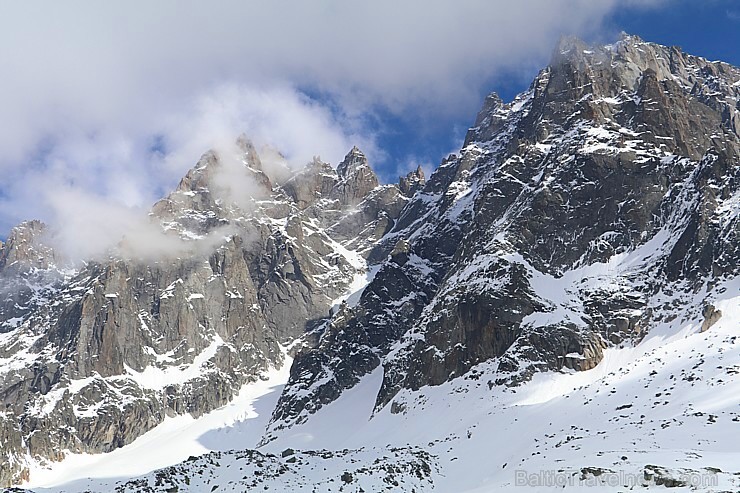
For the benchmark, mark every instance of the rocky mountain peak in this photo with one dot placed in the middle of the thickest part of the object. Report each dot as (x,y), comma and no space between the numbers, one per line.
(249,152)
(315,181)
(239,158)
(225,184)
(26,248)
(569,45)
(354,160)
(349,184)
(29,270)
(356,178)
(412,182)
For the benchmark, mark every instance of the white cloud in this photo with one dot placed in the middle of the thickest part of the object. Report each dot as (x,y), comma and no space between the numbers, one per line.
(280,117)
(94,188)
(88,88)
(93,228)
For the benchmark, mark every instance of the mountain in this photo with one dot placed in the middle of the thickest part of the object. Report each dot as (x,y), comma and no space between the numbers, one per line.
(93,357)
(574,219)
(559,302)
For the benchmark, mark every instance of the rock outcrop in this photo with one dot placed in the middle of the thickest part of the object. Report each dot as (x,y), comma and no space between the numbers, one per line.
(27,248)
(412,182)
(356,178)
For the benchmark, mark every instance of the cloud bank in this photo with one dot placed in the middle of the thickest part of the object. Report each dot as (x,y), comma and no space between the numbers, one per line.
(113,101)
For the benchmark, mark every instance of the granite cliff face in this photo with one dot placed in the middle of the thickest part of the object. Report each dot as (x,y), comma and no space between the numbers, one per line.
(241,266)
(575,218)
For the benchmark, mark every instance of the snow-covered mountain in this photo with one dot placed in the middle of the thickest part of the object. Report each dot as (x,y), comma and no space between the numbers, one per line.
(232,268)
(558,305)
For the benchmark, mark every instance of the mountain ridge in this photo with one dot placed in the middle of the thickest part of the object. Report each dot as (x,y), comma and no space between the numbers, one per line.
(559,94)
(585,236)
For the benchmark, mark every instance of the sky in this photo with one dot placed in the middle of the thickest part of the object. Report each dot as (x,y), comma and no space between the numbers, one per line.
(106,105)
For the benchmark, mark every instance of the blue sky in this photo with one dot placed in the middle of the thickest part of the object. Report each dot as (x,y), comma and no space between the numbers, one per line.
(107,105)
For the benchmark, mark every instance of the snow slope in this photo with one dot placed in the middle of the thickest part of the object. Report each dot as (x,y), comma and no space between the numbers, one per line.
(666,409)
(670,401)
(239,424)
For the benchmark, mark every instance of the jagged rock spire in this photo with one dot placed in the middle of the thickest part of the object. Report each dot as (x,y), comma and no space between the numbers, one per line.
(354,159)
(251,156)
(24,247)
(412,182)
(356,178)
